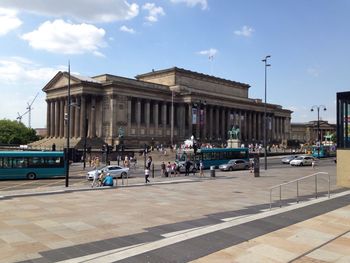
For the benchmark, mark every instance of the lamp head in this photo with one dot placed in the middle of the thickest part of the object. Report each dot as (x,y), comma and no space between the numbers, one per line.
(312,109)
(324,108)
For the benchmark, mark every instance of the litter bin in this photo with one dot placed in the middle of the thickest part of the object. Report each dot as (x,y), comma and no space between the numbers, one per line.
(212,171)
(256,167)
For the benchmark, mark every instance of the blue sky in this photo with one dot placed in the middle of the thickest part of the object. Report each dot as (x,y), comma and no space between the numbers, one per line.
(308,41)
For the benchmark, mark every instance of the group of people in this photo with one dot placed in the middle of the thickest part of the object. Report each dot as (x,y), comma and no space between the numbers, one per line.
(168,169)
(102,179)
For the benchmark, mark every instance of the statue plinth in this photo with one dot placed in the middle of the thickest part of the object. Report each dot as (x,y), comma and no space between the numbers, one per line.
(233,143)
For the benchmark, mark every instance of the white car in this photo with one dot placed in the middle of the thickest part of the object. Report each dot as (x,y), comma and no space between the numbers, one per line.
(302,160)
(114,170)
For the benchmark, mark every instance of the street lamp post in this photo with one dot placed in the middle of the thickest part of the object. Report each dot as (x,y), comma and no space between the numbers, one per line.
(68,128)
(172,119)
(318,107)
(265,119)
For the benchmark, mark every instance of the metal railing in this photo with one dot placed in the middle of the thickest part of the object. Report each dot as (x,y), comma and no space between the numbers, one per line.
(297,185)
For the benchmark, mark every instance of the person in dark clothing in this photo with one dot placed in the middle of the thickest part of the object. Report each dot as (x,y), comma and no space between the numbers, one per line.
(187,167)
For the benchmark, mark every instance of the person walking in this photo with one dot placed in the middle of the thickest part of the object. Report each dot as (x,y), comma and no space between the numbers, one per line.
(187,167)
(146,176)
(95,181)
(162,169)
(201,169)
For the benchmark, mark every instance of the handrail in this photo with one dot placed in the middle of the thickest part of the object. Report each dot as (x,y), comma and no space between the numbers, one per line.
(297,181)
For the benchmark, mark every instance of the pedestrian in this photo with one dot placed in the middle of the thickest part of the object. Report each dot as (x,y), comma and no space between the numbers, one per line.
(95,178)
(168,169)
(162,169)
(313,163)
(174,169)
(251,165)
(108,180)
(187,167)
(149,162)
(201,169)
(146,176)
(126,162)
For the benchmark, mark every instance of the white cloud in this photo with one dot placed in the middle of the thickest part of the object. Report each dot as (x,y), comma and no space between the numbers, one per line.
(245,31)
(210,52)
(8,20)
(21,79)
(153,12)
(18,69)
(81,10)
(127,29)
(192,3)
(313,71)
(61,37)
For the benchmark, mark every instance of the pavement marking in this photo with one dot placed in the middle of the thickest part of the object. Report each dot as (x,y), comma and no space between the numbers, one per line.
(235,217)
(96,255)
(170,234)
(127,252)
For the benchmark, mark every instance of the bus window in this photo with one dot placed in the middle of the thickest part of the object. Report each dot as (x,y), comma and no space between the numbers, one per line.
(19,162)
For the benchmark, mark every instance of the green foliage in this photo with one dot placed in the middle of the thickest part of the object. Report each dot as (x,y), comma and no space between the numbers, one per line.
(12,132)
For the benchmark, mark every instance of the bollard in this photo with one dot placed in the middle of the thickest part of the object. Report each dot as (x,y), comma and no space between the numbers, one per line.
(212,171)
(152,170)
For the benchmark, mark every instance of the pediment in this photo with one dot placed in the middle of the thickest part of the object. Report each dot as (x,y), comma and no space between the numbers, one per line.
(60,80)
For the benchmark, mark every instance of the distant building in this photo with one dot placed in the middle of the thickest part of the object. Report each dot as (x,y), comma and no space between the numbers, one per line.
(307,132)
(159,105)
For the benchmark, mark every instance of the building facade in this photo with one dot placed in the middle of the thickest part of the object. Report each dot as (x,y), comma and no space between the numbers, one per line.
(307,132)
(161,106)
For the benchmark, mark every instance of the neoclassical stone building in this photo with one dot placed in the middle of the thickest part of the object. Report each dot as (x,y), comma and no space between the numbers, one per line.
(159,106)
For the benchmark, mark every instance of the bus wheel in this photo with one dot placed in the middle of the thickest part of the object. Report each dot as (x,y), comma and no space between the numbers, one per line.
(31,176)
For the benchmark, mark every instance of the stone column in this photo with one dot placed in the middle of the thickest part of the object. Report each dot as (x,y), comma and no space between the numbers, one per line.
(71,123)
(52,118)
(189,107)
(62,122)
(57,117)
(211,122)
(198,131)
(138,116)
(113,117)
(48,119)
(164,118)
(156,117)
(77,118)
(147,116)
(129,116)
(223,123)
(93,118)
(83,117)
(205,123)
(217,123)
(182,121)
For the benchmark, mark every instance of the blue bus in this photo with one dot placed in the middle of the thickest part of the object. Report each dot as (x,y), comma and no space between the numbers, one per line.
(212,156)
(31,165)
(324,151)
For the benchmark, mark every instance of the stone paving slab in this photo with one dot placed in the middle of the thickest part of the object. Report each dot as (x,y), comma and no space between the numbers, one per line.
(35,224)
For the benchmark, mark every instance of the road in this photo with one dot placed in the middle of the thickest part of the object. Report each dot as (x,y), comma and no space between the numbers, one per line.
(77,175)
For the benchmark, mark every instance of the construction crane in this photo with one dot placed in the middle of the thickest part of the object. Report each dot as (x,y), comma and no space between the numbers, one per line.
(19,118)
(29,108)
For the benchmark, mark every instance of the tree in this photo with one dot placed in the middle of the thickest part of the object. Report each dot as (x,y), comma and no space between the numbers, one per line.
(13,132)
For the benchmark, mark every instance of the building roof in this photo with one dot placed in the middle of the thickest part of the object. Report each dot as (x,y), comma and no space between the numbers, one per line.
(189,72)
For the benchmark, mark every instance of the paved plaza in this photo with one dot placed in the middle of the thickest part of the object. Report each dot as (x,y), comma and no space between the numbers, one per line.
(180,219)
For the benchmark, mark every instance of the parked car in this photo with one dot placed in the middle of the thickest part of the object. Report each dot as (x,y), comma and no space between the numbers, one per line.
(235,164)
(114,170)
(287,159)
(302,160)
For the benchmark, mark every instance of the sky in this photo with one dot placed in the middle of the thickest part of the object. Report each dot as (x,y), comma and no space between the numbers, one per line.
(308,41)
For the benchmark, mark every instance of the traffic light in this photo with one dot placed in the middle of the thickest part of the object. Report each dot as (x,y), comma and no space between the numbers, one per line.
(109,149)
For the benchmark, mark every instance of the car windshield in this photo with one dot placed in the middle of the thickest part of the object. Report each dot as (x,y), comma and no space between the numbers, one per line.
(231,161)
